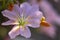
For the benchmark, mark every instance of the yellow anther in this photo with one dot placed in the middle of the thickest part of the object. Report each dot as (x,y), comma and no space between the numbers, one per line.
(44,23)
(43,19)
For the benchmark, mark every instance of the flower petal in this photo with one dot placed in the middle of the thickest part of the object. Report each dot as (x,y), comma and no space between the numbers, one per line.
(26,8)
(26,32)
(34,23)
(14,32)
(17,10)
(11,15)
(35,19)
(50,31)
(57,20)
(10,22)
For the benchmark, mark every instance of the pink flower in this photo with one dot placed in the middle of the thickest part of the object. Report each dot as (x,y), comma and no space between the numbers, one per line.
(51,16)
(21,21)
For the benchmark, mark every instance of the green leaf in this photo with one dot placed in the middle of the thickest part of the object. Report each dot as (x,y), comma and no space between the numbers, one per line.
(3,31)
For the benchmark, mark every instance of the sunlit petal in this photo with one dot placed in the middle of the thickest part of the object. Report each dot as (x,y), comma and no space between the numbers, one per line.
(14,32)
(10,22)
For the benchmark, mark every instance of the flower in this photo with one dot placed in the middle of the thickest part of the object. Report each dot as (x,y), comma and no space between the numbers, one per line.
(22,21)
(51,17)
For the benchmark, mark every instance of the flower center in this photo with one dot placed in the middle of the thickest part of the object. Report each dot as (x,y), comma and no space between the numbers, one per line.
(22,21)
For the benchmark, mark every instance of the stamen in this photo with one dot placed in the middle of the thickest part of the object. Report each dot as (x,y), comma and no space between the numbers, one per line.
(44,23)
(22,27)
(43,19)
(29,17)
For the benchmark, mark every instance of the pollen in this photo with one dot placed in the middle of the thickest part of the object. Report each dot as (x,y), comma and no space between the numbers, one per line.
(43,19)
(44,23)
